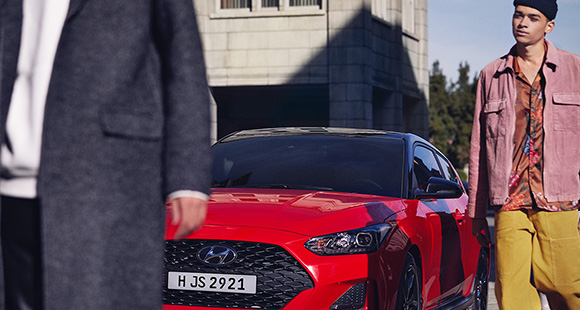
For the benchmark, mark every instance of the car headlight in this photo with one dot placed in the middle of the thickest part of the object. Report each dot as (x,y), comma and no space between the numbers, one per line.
(357,241)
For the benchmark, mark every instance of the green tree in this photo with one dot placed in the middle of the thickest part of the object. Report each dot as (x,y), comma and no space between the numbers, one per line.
(440,121)
(451,113)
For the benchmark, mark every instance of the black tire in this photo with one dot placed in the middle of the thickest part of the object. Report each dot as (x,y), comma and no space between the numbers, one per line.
(409,296)
(482,281)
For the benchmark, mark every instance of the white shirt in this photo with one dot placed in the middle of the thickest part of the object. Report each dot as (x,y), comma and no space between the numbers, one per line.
(42,25)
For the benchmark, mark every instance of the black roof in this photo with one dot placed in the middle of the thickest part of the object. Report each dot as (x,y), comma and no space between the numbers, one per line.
(302,131)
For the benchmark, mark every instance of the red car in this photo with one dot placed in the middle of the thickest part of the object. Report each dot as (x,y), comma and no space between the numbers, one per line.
(329,218)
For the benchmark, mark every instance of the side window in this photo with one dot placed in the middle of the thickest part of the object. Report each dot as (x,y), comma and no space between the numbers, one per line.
(235,4)
(424,166)
(448,171)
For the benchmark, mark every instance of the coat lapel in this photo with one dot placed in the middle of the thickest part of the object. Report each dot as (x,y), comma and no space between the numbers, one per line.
(74,7)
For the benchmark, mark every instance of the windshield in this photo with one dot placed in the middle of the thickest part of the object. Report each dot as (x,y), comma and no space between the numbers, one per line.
(365,165)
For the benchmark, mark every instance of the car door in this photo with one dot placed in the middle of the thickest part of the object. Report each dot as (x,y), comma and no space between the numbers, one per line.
(443,218)
(460,214)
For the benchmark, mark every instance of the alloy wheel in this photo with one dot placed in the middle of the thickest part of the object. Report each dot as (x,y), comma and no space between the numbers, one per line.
(409,296)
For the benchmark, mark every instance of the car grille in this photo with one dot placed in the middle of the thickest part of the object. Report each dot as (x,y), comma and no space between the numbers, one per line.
(280,275)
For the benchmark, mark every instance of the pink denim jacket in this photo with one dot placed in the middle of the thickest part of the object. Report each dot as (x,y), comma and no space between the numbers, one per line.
(492,144)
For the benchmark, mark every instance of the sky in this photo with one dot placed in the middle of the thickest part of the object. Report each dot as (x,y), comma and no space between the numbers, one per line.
(479,31)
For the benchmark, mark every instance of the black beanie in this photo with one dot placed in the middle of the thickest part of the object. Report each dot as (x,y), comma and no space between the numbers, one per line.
(548,7)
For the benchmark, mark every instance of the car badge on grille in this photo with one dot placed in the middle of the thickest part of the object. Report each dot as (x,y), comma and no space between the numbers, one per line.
(216,255)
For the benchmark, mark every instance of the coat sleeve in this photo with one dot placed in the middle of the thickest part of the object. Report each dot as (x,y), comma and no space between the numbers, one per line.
(185,95)
(478,173)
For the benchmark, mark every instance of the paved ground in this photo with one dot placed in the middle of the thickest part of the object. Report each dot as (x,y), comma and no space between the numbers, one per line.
(492,302)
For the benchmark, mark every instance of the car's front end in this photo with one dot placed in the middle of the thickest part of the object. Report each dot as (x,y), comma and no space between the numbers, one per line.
(263,250)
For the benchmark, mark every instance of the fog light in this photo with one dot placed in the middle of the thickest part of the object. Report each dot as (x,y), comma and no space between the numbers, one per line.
(353,299)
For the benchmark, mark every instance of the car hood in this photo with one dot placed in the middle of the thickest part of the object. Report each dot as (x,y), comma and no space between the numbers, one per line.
(309,213)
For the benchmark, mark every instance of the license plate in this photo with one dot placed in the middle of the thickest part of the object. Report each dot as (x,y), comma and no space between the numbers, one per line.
(212,282)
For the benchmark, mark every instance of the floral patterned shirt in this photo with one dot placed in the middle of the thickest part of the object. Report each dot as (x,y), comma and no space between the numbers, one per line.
(526,181)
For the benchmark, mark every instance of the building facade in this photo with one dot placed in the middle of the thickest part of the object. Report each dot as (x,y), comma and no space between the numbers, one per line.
(342,63)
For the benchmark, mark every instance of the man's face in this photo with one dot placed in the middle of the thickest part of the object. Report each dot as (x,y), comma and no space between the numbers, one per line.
(529,25)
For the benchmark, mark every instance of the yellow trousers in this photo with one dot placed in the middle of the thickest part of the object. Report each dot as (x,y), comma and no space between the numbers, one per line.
(537,250)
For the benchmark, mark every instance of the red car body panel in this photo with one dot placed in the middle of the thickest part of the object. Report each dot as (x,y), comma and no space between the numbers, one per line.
(427,232)
(289,218)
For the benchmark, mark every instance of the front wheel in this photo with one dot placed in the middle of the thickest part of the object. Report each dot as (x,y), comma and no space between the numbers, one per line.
(409,296)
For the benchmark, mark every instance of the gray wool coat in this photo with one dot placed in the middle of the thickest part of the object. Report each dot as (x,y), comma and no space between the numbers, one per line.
(126,123)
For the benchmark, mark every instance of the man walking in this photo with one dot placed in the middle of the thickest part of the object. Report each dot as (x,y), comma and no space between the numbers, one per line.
(525,162)
(104,114)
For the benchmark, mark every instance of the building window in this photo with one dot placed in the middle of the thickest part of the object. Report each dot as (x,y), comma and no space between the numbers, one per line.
(245,8)
(305,3)
(270,3)
(409,16)
(236,4)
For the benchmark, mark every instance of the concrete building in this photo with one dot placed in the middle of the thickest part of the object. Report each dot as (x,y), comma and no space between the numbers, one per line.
(344,63)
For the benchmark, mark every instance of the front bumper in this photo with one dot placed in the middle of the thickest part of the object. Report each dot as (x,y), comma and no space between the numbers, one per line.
(290,277)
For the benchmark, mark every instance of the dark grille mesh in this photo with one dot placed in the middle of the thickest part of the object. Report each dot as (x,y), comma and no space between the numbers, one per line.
(280,276)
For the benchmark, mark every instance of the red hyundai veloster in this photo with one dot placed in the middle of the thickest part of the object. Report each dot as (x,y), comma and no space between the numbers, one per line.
(329,218)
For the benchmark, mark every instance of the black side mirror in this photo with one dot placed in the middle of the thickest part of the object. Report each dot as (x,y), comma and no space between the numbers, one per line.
(439,188)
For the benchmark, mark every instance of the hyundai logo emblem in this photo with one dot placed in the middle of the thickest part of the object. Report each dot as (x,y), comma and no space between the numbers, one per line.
(216,255)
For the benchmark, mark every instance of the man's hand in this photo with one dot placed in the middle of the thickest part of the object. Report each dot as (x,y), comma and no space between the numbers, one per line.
(480,230)
(189,213)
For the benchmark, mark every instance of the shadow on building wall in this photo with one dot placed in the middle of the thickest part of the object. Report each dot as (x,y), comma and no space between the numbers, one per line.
(363,79)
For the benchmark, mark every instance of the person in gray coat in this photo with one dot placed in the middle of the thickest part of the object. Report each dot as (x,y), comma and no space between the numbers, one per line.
(104,115)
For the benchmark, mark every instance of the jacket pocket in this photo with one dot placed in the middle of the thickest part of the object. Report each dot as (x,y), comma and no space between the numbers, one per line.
(566,111)
(140,126)
(495,117)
